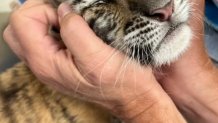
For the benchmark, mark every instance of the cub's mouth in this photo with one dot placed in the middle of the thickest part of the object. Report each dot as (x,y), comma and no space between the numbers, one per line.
(151,42)
(172,29)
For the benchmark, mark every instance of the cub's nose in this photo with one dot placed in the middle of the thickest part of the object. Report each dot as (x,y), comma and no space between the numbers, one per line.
(163,13)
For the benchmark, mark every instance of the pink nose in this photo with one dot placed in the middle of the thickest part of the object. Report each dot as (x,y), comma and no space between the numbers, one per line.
(164,13)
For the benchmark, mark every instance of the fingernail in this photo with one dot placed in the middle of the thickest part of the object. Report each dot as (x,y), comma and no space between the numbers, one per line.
(64,9)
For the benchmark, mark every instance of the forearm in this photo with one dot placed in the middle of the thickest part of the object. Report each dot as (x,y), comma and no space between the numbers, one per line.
(199,101)
(192,81)
(199,98)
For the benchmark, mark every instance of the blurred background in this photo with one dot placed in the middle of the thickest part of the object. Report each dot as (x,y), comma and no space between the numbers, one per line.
(7,58)
(211,29)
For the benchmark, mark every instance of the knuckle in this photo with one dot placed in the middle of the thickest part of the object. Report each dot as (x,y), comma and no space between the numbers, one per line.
(14,16)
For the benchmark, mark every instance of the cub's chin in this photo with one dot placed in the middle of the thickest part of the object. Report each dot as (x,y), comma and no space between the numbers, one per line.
(173,45)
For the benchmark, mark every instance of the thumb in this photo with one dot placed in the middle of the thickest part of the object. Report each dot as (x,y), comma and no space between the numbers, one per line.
(76,34)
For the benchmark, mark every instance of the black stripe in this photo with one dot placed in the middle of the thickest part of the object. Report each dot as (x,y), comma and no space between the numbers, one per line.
(7,98)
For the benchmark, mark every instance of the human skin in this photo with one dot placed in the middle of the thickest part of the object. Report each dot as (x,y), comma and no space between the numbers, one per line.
(192,81)
(87,66)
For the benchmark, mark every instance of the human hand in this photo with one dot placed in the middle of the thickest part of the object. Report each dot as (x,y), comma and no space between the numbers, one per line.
(87,67)
(192,80)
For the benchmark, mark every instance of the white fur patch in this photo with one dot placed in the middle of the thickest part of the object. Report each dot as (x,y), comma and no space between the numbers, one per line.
(173,46)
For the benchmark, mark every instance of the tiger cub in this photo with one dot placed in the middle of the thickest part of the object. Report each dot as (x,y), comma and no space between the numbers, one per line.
(152,32)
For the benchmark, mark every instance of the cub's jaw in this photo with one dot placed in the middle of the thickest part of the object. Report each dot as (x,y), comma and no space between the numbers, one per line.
(173,46)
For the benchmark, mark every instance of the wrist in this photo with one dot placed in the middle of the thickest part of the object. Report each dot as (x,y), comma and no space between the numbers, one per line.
(159,108)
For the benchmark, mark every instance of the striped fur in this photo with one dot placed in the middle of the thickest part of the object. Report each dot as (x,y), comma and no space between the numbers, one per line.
(23,99)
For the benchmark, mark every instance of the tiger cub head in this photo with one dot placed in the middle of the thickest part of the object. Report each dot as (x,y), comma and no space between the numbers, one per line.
(152,32)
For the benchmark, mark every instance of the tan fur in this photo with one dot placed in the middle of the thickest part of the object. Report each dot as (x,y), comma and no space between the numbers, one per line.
(23,99)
